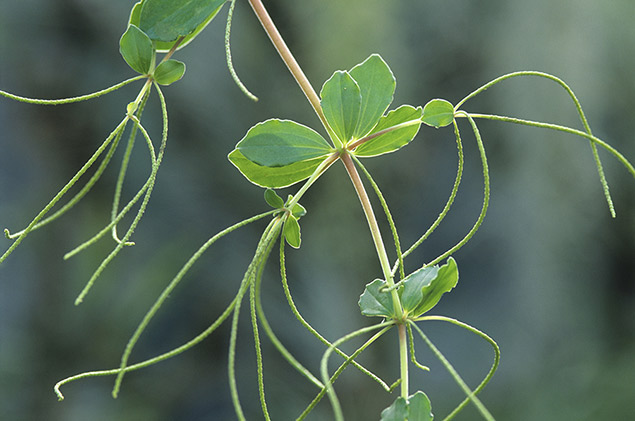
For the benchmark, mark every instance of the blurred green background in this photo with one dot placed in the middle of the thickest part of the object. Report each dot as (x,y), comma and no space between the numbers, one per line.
(550,275)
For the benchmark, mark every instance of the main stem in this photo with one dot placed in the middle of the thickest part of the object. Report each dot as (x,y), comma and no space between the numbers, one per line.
(314,100)
(374,228)
(289,60)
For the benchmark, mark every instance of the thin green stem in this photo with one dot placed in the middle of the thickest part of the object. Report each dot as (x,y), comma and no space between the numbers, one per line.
(457,378)
(374,229)
(560,128)
(307,326)
(253,303)
(123,169)
(578,106)
(259,364)
(492,370)
(486,194)
(197,339)
(108,228)
(328,381)
(231,364)
(321,169)
(87,187)
(448,204)
(264,247)
(228,54)
(73,99)
(391,221)
(63,191)
(291,63)
(413,356)
(170,288)
(142,207)
(277,343)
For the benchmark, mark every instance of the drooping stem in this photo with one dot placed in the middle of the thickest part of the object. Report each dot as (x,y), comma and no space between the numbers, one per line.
(385,267)
(374,229)
(290,61)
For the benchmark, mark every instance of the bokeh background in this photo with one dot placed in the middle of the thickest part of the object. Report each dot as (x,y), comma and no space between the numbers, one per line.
(550,275)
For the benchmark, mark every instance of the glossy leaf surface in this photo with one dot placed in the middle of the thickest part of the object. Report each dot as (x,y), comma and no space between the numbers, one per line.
(277,143)
(291,231)
(167,20)
(438,113)
(377,86)
(375,302)
(169,72)
(393,140)
(273,177)
(136,49)
(423,288)
(341,102)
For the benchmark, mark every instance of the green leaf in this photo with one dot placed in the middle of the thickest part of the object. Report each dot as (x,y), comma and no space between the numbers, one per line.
(272,198)
(136,48)
(398,411)
(167,20)
(416,408)
(377,86)
(413,285)
(419,407)
(291,231)
(161,46)
(341,103)
(375,302)
(169,72)
(438,113)
(395,139)
(423,288)
(276,143)
(274,178)
(298,211)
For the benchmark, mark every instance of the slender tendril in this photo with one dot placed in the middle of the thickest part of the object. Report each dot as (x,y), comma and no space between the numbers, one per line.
(328,381)
(625,162)
(307,326)
(264,247)
(486,194)
(228,54)
(169,289)
(413,356)
(200,337)
(278,344)
(254,298)
(72,99)
(124,167)
(492,370)
(87,187)
(63,191)
(578,106)
(457,378)
(142,207)
(450,201)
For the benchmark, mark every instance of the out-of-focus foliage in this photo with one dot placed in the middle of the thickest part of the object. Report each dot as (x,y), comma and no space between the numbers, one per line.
(550,276)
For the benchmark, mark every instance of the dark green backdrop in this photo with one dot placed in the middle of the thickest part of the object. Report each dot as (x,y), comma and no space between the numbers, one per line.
(550,276)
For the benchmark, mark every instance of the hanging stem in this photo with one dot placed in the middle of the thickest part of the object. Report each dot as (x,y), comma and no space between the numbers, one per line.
(290,61)
(385,266)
